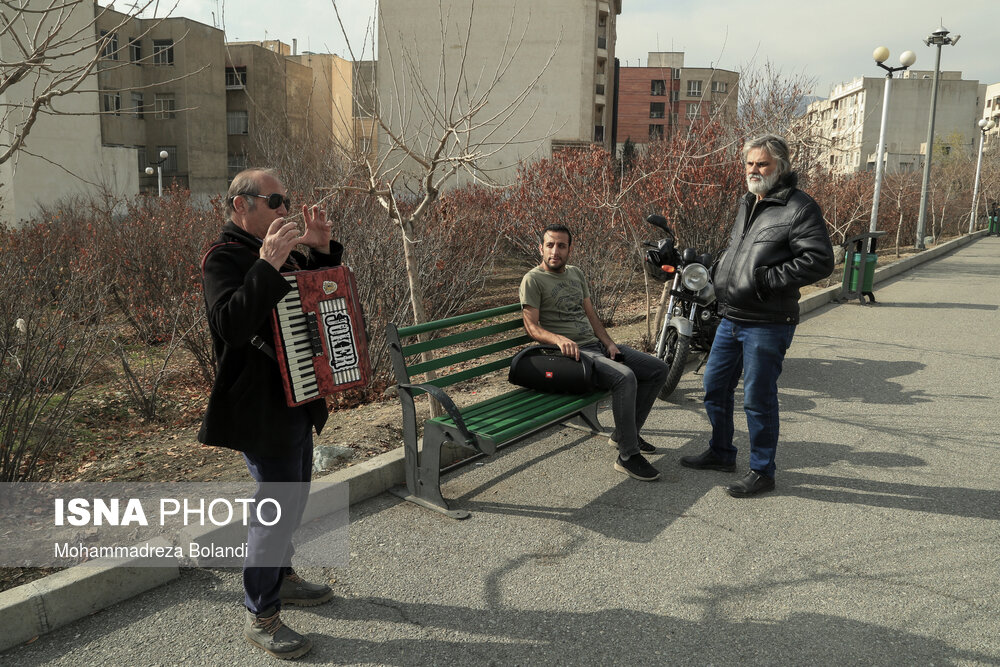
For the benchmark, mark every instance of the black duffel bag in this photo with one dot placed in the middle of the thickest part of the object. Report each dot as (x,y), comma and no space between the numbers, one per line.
(546,368)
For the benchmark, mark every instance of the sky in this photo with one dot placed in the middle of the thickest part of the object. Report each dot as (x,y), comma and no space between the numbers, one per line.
(827,43)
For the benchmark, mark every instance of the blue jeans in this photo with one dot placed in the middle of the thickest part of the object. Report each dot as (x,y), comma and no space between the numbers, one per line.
(755,351)
(261,584)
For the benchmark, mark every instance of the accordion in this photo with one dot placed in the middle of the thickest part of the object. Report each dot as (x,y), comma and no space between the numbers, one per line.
(319,335)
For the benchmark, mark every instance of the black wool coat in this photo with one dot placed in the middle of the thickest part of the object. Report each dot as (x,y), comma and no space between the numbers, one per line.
(247,409)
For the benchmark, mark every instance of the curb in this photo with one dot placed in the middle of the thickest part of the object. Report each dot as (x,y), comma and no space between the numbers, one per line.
(821,298)
(59,599)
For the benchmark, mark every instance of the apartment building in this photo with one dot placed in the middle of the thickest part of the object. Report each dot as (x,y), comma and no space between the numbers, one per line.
(844,129)
(63,156)
(162,89)
(991,110)
(665,96)
(365,108)
(553,60)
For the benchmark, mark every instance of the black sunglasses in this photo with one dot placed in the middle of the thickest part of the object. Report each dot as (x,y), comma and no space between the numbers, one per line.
(275,200)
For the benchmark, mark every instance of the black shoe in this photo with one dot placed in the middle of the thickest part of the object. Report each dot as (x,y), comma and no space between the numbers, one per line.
(637,468)
(707,460)
(644,447)
(751,485)
(297,591)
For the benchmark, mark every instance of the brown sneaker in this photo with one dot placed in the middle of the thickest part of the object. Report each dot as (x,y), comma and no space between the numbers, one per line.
(297,591)
(267,632)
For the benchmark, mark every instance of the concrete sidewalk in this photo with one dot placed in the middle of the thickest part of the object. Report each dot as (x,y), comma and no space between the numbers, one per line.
(879,546)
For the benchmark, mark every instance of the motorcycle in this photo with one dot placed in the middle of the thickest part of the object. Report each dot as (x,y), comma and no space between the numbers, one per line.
(692,313)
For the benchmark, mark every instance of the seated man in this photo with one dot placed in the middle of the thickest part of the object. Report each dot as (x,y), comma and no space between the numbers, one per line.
(556,307)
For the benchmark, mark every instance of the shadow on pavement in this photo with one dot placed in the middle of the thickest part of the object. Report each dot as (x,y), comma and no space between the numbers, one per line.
(506,636)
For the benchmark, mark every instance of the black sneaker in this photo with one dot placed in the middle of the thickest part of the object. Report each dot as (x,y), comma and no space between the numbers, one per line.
(637,468)
(297,591)
(267,632)
(644,447)
(707,460)
(752,484)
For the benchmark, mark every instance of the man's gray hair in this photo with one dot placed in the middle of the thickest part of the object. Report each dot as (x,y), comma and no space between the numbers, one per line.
(775,146)
(247,182)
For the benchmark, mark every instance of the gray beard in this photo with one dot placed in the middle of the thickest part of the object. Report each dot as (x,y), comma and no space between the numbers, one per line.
(763,186)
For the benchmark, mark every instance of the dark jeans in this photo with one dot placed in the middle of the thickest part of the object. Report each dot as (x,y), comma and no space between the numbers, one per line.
(756,351)
(287,477)
(634,384)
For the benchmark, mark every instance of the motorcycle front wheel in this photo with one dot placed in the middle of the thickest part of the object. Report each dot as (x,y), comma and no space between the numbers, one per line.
(675,352)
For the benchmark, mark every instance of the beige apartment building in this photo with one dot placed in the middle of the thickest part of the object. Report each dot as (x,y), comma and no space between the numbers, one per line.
(162,89)
(844,129)
(63,155)
(555,86)
(276,97)
(991,110)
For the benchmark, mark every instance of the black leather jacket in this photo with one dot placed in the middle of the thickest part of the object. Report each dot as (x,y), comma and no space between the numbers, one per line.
(778,245)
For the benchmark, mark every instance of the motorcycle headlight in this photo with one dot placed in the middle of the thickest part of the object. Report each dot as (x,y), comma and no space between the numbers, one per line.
(695,277)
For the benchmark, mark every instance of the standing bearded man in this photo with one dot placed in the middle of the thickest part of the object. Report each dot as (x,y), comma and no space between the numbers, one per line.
(779,244)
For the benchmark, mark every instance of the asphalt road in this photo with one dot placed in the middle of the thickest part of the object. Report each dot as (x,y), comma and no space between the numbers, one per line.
(880,546)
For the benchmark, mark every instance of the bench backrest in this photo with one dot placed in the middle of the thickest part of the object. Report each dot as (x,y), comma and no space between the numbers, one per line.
(504,322)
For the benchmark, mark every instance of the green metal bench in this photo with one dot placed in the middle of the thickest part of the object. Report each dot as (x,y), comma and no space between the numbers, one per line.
(484,426)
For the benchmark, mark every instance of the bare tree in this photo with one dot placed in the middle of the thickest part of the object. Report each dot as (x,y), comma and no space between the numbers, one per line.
(48,49)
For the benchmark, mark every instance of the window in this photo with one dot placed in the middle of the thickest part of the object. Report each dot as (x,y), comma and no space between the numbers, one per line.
(237,122)
(673,117)
(163,106)
(137,110)
(719,86)
(655,132)
(113,103)
(599,133)
(170,164)
(236,78)
(656,109)
(140,152)
(599,89)
(110,49)
(163,52)
(657,87)
(675,95)
(694,88)
(236,163)
(602,42)
(135,51)
(693,111)
(675,74)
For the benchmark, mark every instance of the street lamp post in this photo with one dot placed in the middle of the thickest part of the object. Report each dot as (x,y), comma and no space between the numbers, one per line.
(159,172)
(938,38)
(881,54)
(985,125)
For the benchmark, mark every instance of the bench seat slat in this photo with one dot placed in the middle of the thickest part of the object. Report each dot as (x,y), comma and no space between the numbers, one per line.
(476,353)
(461,337)
(504,417)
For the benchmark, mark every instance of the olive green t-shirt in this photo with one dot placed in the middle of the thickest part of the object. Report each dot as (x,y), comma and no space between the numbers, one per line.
(559,300)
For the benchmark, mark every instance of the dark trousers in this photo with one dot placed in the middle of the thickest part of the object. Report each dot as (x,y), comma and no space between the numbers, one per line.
(635,383)
(286,479)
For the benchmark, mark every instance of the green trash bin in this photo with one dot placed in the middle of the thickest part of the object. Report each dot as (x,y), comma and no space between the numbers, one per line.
(994,225)
(869,272)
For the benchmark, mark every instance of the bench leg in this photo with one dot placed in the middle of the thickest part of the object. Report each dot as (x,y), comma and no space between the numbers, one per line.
(588,416)
(423,477)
